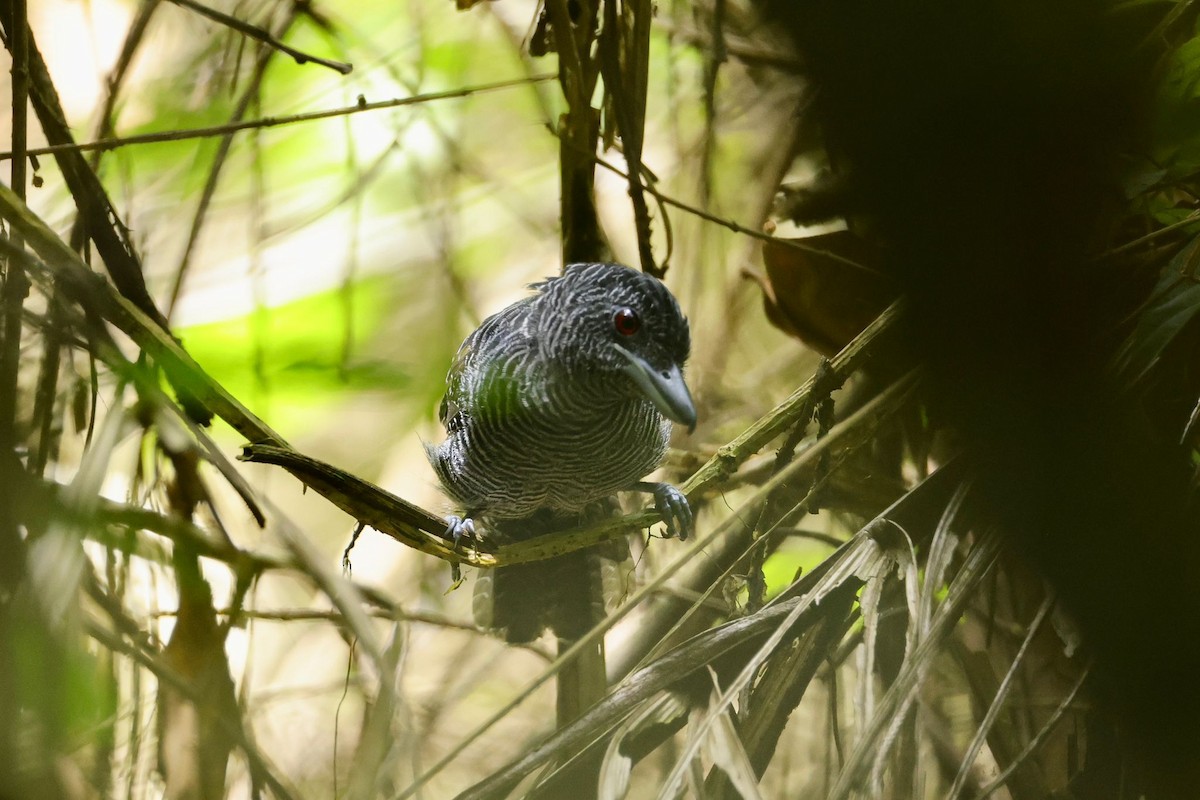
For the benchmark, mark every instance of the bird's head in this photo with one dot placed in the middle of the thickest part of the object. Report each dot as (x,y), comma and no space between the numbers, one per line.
(616,323)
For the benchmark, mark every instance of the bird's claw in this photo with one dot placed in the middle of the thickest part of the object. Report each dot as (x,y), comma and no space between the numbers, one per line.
(458,528)
(672,505)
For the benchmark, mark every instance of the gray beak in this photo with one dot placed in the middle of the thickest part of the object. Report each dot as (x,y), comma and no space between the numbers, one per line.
(666,389)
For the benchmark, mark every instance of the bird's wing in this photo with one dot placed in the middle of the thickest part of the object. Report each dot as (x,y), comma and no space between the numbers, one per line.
(486,377)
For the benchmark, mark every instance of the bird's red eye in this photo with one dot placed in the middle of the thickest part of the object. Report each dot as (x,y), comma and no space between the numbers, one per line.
(627,322)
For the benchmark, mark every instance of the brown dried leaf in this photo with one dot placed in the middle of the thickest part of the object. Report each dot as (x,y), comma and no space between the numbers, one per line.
(823,290)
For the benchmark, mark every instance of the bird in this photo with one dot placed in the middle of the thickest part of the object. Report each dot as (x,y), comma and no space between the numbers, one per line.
(554,405)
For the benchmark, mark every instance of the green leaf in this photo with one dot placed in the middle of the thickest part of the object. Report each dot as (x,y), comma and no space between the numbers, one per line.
(293,353)
(1174,304)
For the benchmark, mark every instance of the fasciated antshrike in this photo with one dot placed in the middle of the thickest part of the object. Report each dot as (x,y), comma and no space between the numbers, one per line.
(554,405)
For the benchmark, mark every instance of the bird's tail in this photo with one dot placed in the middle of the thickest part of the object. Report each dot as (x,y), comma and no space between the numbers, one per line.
(567,595)
(564,594)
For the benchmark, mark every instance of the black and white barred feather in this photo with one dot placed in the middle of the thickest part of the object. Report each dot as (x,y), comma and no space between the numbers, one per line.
(543,420)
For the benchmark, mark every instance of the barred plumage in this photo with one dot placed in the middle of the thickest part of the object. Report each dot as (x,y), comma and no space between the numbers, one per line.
(557,402)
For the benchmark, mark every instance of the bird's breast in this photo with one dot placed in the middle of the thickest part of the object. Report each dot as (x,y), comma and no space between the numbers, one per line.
(529,459)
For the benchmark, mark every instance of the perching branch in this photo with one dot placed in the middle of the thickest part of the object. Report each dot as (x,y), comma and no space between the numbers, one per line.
(407,523)
(399,519)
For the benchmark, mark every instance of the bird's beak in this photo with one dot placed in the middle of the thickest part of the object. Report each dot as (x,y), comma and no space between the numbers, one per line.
(666,389)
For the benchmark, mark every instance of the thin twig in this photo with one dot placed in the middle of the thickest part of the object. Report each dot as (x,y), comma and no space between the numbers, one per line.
(756,582)
(741,48)
(732,225)
(816,536)
(259,34)
(272,122)
(781,418)
(16,284)
(224,147)
(121,70)
(141,654)
(394,613)
(1190,219)
(12,301)
(46,396)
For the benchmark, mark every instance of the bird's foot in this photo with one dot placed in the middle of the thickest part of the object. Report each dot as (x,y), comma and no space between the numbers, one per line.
(459,528)
(672,505)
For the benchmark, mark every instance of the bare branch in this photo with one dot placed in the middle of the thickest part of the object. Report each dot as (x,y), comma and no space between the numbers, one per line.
(264,36)
(273,122)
